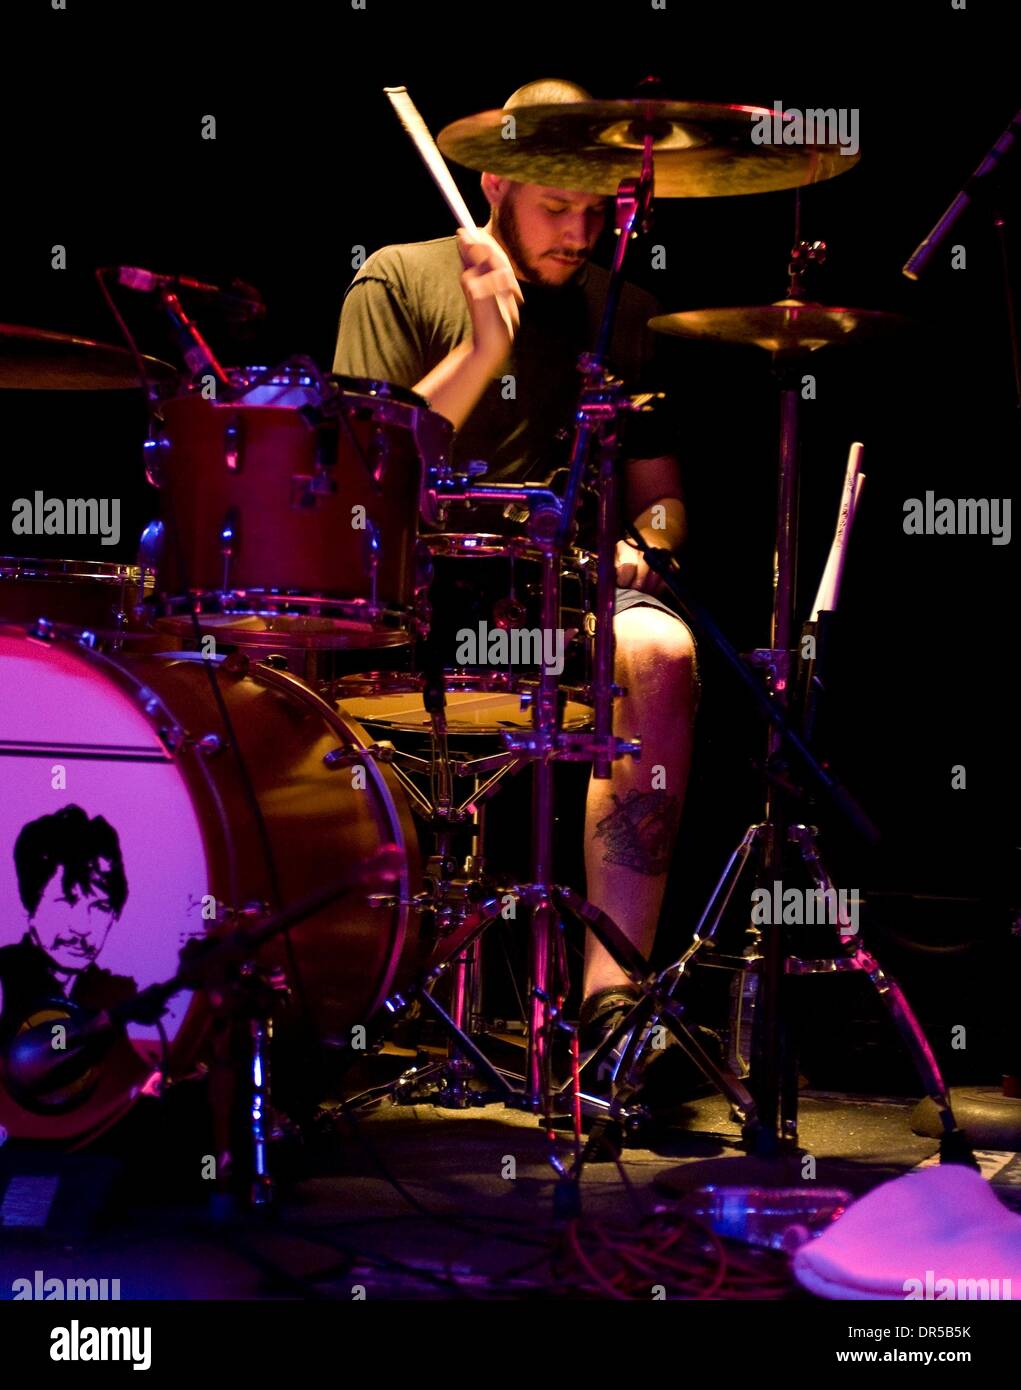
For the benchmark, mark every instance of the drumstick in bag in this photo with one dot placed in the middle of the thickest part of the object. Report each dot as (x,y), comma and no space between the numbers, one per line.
(829,585)
(418,131)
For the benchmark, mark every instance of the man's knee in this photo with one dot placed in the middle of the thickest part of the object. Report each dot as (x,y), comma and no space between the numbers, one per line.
(649,638)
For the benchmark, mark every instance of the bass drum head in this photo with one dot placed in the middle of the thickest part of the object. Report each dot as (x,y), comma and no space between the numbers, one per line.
(122,836)
(96,897)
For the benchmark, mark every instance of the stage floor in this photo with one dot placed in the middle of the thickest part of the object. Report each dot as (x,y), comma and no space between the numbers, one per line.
(472,1214)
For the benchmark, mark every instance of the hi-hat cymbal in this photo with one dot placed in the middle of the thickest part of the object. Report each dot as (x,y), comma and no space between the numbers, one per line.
(701,150)
(790,325)
(34,359)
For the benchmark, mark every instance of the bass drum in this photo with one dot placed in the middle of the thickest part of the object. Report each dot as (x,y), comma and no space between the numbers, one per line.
(129,825)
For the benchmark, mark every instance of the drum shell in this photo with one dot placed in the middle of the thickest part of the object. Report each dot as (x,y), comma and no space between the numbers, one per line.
(100,597)
(350,954)
(287,536)
(487,580)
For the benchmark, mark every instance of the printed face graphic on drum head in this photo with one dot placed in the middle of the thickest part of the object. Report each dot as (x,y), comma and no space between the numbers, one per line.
(103,868)
(72,884)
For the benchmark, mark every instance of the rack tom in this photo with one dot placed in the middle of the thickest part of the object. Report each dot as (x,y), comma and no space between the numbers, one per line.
(291,507)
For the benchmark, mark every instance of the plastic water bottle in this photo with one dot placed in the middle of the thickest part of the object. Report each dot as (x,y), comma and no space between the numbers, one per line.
(776,1218)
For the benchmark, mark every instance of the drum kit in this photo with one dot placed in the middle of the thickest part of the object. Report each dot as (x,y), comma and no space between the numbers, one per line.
(306,848)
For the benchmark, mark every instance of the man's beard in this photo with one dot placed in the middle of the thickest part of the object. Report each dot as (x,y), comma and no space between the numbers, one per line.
(505,221)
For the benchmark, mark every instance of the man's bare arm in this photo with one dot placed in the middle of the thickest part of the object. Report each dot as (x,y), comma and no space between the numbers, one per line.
(655,507)
(651,482)
(455,386)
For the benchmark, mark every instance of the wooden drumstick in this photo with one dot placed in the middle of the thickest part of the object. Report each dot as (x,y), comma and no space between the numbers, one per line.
(829,585)
(408,115)
(411,120)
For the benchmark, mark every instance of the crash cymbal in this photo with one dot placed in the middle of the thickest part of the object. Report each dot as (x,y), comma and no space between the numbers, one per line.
(701,150)
(34,359)
(790,325)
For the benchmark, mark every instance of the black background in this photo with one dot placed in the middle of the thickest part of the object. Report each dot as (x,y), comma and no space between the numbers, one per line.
(104,156)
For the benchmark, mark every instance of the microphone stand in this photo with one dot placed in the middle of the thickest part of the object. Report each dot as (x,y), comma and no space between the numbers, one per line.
(704,625)
(197,353)
(981,187)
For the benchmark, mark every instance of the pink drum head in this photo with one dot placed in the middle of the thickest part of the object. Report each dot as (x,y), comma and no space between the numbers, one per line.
(102,862)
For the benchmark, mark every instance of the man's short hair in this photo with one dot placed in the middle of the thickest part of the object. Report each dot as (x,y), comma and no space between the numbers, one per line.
(69,840)
(547,91)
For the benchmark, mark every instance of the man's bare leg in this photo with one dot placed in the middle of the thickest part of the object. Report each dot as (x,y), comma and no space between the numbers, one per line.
(631,818)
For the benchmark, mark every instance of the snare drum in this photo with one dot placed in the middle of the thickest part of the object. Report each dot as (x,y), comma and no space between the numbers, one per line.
(291,504)
(483,705)
(494,583)
(128,827)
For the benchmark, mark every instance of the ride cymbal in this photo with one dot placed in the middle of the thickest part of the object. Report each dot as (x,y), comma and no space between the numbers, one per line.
(700,149)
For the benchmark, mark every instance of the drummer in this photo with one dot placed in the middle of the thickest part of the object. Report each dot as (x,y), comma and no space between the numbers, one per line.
(427,315)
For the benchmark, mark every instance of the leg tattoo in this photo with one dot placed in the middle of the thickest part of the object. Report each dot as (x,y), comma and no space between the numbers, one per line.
(639,831)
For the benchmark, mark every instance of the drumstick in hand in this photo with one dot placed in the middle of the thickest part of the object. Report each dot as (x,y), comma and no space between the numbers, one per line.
(410,118)
(408,115)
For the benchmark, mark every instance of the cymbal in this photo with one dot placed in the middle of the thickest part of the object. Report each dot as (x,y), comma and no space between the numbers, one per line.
(790,325)
(34,359)
(701,150)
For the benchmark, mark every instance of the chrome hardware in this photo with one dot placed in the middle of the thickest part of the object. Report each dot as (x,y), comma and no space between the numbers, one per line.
(153,451)
(233,442)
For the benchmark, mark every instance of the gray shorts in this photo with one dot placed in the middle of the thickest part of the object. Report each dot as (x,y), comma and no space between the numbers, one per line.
(634,598)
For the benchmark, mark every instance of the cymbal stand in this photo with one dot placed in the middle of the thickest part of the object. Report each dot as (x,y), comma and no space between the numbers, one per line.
(773,1079)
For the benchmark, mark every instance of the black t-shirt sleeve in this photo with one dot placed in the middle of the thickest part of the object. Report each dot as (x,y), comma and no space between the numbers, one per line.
(377,337)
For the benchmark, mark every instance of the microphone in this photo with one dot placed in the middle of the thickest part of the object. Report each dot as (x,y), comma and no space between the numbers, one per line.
(134,277)
(993,161)
(33,1067)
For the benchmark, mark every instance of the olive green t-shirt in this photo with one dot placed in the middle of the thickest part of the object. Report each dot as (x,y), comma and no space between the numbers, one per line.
(405,311)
